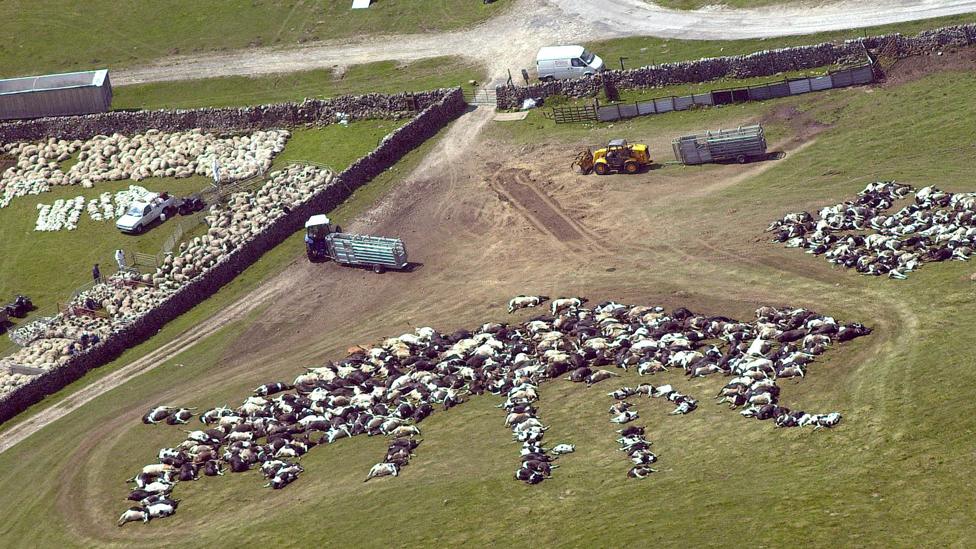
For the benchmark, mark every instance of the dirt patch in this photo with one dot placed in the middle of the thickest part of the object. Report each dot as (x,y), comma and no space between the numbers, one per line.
(918,67)
(515,187)
(7,161)
(803,125)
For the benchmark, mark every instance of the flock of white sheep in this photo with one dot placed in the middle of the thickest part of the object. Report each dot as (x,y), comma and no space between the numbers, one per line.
(118,157)
(126,297)
(65,214)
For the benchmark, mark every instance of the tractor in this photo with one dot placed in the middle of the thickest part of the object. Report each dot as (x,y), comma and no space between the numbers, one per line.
(617,156)
(316,244)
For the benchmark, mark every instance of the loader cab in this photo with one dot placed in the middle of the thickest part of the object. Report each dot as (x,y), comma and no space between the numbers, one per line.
(621,156)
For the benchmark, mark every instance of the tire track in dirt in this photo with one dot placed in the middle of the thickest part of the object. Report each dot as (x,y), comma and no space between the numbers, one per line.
(515,187)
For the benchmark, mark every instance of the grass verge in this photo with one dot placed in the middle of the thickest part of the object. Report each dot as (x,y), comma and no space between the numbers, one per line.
(379,77)
(648,50)
(49,35)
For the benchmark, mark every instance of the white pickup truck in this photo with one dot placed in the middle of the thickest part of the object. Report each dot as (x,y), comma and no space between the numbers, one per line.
(144,212)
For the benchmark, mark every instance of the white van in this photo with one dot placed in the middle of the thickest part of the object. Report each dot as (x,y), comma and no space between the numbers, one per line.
(560,62)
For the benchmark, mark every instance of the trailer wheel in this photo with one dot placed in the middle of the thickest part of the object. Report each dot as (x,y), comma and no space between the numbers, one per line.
(378,269)
(741,159)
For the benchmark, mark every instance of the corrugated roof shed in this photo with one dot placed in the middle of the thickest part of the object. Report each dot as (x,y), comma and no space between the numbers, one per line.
(66,94)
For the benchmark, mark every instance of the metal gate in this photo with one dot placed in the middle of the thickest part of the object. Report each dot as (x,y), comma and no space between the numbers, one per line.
(574,113)
(482,97)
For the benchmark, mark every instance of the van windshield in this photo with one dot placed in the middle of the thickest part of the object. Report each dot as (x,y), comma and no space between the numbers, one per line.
(587,56)
(135,210)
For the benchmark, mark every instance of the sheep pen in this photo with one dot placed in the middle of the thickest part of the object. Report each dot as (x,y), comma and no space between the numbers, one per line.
(860,234)
(99,324)
(128,296)
(390,388)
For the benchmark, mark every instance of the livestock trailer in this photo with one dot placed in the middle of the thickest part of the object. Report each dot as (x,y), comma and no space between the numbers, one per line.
(323,240)
(68,94)
(361,250)
(741,144)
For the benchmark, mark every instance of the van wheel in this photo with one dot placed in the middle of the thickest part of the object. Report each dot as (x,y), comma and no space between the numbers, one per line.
(547,79)
(741,159)
(378,269)
(587,74)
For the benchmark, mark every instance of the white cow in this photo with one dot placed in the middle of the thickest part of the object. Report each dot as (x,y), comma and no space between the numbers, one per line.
(525,301)
(133,514)
(561,449)
(383,470)
(563,303)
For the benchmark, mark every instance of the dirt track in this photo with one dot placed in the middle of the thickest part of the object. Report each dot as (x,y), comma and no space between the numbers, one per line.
(510,40)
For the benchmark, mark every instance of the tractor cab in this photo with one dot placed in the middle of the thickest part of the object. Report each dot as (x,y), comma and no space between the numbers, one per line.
(316,229)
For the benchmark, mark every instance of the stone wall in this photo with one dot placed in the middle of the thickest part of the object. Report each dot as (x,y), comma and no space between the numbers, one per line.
(221,120)
(764,63)
(437,114)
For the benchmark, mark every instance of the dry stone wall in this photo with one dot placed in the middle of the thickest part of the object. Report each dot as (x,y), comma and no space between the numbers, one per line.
(221,120)
(764,63)
(449,104)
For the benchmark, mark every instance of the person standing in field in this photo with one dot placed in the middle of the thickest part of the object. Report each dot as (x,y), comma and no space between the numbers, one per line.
(96,274)
(120,259)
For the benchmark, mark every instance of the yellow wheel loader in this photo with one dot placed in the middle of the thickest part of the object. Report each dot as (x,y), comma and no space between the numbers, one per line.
(617,156)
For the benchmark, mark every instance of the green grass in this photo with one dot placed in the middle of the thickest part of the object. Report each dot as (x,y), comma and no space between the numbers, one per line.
(641,51)
(537,128)
(335,145)
(48,35)
(49,266)
(895,473)
(380,77)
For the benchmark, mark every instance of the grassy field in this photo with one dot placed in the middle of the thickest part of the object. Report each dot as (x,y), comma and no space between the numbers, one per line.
(49,266)
(50,35)
(895,473)
(641,51)
(380,77)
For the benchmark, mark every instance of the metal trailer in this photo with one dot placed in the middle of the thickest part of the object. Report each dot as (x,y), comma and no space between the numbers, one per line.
(67,94)
(741,144)
(376,252)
